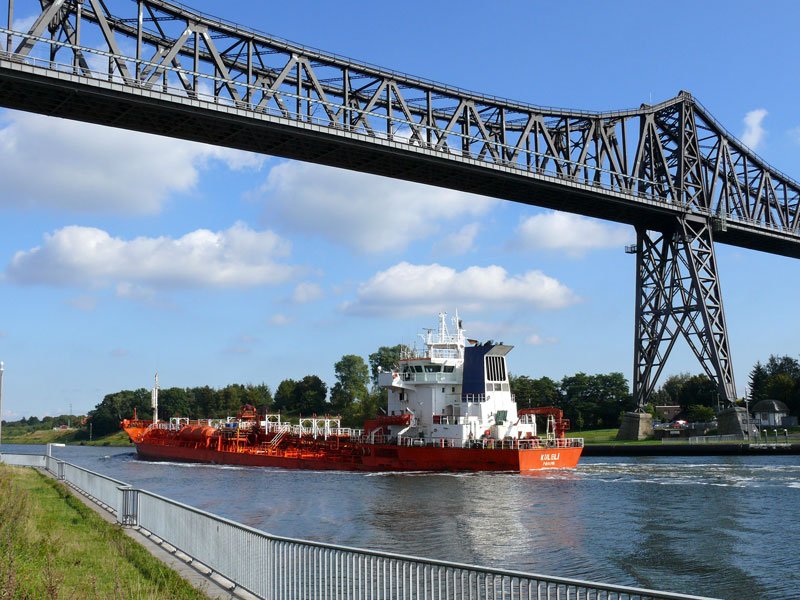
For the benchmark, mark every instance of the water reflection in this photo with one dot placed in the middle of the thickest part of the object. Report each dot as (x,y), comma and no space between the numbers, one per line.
(695,525)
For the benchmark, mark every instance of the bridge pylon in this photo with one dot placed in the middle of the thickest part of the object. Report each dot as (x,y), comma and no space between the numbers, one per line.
(678,294)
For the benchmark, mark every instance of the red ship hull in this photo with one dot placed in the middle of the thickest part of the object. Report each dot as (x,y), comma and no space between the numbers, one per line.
(374,457)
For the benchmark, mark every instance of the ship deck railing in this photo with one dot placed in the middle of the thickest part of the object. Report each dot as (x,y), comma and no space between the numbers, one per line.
(281,568)
(493,444)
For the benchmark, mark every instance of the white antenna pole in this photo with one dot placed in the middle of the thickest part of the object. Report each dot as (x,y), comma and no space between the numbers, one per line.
(154,398)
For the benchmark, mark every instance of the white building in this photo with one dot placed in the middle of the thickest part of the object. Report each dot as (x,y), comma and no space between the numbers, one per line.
(770,413)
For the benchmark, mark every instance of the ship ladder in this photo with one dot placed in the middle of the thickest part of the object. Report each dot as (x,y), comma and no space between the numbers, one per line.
(277,439)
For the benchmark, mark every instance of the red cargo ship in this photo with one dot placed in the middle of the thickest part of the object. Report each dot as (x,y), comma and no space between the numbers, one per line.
(450,408)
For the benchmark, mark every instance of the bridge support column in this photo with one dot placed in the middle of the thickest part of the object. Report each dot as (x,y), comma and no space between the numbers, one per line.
(678,293)
(636,426)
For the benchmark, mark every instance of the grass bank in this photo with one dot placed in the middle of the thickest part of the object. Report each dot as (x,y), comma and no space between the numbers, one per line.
(598,437)
(52,546)
(73,437)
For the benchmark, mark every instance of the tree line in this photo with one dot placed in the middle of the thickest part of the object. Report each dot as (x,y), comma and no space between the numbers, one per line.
(194,403)
(589,401)
(355,396)
(778,379)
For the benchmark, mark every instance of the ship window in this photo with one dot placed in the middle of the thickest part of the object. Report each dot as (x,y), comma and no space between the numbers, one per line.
(448,368)
(489,387)
(418,369)
(454,389)
(433,368)
(443,390)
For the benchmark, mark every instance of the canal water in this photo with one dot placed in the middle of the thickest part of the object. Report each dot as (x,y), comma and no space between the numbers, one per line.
(725,527)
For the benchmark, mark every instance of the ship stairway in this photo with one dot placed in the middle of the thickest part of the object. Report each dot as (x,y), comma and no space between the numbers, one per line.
(277,439)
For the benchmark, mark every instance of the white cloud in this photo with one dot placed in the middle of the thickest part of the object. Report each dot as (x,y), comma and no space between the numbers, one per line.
(537,340)
(459,242)
(753,131)
(364,212)
(54,163)
(306,292)
(424,289)
(574,234)
(89,257)
(279,320)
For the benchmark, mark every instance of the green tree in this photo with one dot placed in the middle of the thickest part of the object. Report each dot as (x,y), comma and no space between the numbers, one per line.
(758,380)
(698,413)
(358,412)
(781,386)
(174,402)
(284,395)
(595,401)
(206,403)
(386,358)
(671,389)
(259,396)
(578,405)
(778,379)
(783,364)
(530,393)
(231,398)
(107,415)
(309,396)
(352,382)
(612,397)
(698,389)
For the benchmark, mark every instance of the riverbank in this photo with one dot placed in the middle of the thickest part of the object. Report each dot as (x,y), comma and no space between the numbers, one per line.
(73,437)
(52,546)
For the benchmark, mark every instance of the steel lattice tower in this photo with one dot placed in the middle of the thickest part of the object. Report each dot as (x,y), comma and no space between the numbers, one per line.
(678,293)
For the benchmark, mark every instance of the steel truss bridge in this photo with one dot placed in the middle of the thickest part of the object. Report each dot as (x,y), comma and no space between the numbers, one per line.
(669,169)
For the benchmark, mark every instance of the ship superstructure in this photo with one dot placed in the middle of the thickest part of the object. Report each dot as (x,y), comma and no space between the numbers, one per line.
(450,408)
(456,390)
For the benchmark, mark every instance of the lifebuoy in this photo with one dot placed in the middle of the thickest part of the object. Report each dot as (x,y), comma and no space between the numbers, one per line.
(487,433)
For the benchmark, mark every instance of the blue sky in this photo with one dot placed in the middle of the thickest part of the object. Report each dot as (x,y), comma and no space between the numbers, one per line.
(124,253)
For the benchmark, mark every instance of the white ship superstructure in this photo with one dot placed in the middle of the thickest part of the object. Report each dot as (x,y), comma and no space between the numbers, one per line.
(456,392)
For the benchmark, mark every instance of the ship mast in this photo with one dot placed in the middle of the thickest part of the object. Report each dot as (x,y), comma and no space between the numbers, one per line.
(154,400)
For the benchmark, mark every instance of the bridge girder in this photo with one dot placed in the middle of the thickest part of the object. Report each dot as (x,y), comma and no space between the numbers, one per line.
(161,68)
(632,166)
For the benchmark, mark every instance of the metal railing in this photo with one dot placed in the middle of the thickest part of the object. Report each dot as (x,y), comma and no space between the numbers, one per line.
(730,438)
(104,490)
(24,460)
(280,568)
